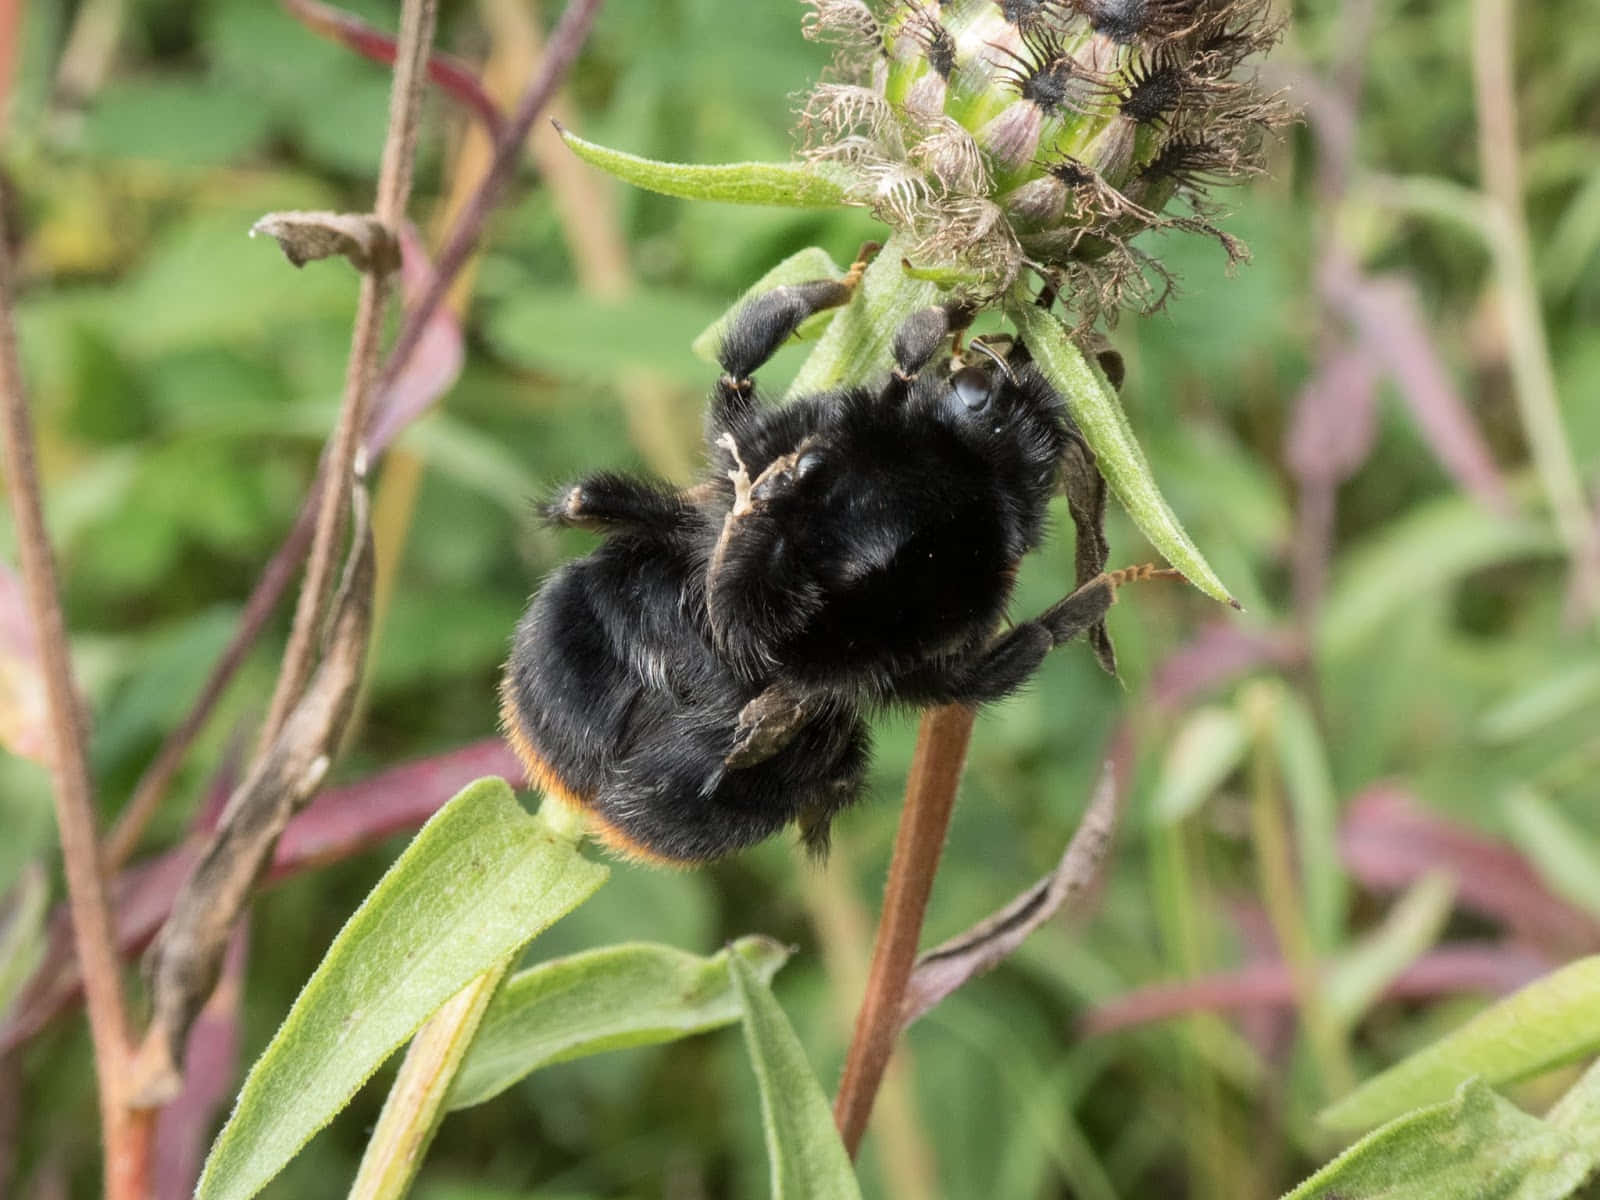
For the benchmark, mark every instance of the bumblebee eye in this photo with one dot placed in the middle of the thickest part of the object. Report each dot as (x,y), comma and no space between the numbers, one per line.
(808,462)
(973,387)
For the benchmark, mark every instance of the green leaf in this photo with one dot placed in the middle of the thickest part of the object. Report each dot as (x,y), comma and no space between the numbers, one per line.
(481,878)
(1560,695)
(784,185)
(1426,550)
(803,1147)
(801,267)
(1098,412)
(1568,858)
(635,994)
(1550,1022)
(554,330)
(1410,927)
(1475,1144)
(1309,784)
(1578,1112)
(1207,748)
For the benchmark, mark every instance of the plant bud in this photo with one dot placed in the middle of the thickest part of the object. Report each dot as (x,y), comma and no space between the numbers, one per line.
(1000,134)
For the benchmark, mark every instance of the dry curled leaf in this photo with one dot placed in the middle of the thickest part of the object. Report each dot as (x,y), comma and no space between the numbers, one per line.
(983,947)
(188,953)
(306,236)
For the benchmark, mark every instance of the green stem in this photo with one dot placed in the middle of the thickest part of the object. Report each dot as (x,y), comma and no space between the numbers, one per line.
(416,1102)
(1529,349)
(859,342)
(1281,894)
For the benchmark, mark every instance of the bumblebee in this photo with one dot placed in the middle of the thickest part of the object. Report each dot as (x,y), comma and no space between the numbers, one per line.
(700,680)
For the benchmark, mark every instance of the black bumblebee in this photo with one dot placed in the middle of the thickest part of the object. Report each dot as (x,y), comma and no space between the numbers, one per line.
(698,682)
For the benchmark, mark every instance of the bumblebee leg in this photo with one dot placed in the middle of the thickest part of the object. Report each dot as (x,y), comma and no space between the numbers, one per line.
(918,339)
(841,789)
(764,323)
(1006,663)
(610,501)
(769,723)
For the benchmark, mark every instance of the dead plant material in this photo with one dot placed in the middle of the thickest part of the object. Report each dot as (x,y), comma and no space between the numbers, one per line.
(983,947)
(187,957)
(307,236)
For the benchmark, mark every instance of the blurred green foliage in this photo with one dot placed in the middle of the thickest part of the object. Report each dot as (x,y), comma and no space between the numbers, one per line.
(183,377)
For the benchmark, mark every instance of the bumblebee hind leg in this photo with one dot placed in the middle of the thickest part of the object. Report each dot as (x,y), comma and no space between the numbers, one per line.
(764,323)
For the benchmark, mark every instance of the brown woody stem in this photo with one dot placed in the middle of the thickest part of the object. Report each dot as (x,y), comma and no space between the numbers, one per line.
(126,1133)
(394,189)
(941,754)
(563,48)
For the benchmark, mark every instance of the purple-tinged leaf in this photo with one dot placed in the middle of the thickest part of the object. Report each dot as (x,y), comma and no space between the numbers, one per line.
(1334,424)
(1220,654)
(346,820)
(446,72)
(340,822)
(945,968)
(1387,318)
(1468,967)
(1388,841)
(211,1068)
(434,365)
(24,720)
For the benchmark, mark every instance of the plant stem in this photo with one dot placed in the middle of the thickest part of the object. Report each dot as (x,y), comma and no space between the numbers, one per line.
(1534,378)
(275,579)
(857,343)
(565,42)
(394,189)
(258,608)
(415,1104)
(1281,894)
(126,1133)
(930,795)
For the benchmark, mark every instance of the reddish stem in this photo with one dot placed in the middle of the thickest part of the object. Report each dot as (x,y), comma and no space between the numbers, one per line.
(446,72)
(941,754)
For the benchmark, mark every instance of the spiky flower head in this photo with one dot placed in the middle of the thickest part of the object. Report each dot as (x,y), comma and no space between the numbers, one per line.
(998,134)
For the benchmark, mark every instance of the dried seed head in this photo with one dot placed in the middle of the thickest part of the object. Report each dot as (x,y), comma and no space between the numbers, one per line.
(1046,133)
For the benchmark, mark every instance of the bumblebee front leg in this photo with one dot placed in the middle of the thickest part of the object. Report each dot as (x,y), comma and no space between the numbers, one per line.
(918,340)
(767,321)
(1006,663)
(611,501)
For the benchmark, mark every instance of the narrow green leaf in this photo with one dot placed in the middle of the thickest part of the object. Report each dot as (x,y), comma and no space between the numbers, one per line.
(1424,551)
(480,879)
(784,185)
(1308,783)
(1207,748)
(629,995)
(1096,409)
(416,1102)
(1578,1112)
(803,1146)
(800,267)
(22,933)
(1412,924)
(1475,1144)
(1555,697)
(1550,1022)
(1567,856)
